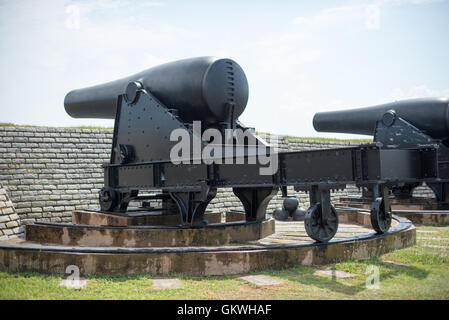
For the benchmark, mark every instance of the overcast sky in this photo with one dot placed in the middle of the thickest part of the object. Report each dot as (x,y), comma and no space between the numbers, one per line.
(300,57)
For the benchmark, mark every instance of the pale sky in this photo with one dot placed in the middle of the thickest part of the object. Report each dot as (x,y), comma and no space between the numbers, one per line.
(300,57)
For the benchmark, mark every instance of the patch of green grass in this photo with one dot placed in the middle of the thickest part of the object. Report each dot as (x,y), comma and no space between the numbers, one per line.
(425,275)
(9,124)
(90,127)
(320,138)
(330,139)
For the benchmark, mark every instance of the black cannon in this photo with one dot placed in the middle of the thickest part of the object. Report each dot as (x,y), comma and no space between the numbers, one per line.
(410,123)
(201,99)
(206,88)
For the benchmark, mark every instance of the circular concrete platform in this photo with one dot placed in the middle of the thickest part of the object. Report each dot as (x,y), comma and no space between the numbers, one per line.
(285,248)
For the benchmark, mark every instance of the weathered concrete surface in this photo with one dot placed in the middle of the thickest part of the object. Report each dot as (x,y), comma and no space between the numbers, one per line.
(398,206)
(171,283)
(261,280)
(358,217)
(105,236)
(335,273)
(415,200)
(234,215)
(428,217)
(98,218)
(89,217)
(418,210)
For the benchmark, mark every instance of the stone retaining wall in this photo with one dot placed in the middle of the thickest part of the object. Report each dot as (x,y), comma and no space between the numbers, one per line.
(9,219)
(49,172)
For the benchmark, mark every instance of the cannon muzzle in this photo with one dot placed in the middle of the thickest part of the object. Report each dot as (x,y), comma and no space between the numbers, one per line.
(199,88)
(430,115)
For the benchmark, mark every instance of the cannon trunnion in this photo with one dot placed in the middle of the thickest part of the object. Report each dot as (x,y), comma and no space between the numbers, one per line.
(153,105)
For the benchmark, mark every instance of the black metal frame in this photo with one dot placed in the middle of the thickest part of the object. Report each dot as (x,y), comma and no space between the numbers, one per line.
(422,124)
(140,161)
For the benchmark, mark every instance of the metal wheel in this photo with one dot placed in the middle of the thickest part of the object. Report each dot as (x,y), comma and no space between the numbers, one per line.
(318,229)
(108,198)
(380,218)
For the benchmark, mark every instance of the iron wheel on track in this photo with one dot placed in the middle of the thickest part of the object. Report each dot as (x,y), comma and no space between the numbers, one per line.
(318,229)
(380,217)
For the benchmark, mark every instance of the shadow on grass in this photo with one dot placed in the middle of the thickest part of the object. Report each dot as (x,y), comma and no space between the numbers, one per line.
(121,278)
(440,225)
(307,276)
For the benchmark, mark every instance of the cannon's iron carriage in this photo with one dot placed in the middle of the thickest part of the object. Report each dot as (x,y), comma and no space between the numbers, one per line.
(148,107)
(407,124)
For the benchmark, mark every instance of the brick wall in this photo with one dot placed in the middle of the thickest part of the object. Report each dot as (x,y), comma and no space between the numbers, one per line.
(48,172)
(9,220)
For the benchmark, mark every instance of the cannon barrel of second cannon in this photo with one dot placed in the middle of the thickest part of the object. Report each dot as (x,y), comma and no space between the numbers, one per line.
(201,88)
(430,115)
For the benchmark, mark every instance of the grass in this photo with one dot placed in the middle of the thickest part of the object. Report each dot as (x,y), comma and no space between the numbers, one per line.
(330,139)
(320,138)
(9,124)
(426,276)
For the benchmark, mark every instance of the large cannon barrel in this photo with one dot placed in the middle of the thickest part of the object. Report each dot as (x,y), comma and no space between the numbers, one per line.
(199,88)
(430,115)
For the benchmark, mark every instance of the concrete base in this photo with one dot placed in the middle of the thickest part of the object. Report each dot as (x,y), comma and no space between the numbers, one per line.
(418,210)
(335,273)
(147,236)
(167,283)
(147,229)
(261,280)
(425,217)
(234,215)
(205,260)
(394,201)
(138,218)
